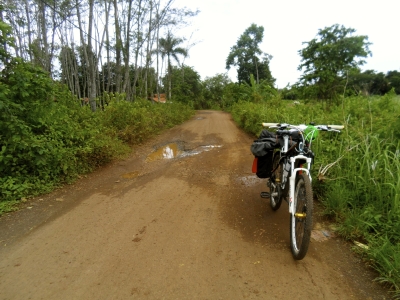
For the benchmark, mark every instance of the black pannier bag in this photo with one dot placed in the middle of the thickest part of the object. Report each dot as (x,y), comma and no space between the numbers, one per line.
(262,165)
(262,149)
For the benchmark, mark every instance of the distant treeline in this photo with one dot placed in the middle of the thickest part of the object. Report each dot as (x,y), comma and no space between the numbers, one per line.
(366,83)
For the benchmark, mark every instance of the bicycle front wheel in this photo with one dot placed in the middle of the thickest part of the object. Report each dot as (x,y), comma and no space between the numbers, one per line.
(301,220)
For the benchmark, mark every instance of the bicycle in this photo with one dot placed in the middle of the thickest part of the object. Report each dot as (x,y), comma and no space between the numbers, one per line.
(290,179)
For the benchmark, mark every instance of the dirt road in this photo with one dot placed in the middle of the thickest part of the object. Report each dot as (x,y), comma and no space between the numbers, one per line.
(188,227)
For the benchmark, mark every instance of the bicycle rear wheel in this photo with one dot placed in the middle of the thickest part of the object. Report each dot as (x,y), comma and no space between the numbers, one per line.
(301,220)
(275,183)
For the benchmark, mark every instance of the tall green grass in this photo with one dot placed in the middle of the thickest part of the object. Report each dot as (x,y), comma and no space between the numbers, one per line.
(361,191)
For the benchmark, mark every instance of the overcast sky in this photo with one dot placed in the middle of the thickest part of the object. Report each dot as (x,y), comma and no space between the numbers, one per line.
(287,24)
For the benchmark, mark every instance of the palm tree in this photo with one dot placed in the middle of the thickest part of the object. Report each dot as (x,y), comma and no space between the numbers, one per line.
(169,48)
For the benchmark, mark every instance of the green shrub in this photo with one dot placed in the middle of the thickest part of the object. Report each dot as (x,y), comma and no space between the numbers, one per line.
(47,138)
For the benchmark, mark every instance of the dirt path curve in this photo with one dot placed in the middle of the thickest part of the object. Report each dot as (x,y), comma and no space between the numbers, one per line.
(192,227)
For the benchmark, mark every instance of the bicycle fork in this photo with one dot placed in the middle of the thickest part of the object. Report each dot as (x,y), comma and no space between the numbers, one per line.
(292,178)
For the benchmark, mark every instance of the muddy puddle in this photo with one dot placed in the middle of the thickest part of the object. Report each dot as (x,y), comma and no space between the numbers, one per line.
(176,150)
(169,151)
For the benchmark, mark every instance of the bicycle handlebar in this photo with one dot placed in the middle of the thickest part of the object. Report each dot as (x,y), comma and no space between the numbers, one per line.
(336,126)
(270,124)
(303,126)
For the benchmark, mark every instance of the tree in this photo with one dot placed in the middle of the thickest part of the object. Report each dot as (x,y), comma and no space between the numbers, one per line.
(70,70)
(214,89)
(393,78)
(327,59)
(367,83)
(186,84)
(248,57)
(88,36)
(169,47)
(256,92)
(88,52)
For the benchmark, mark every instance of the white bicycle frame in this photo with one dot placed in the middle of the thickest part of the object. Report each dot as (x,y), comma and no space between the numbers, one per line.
(292,178)
(300,153)
(285,148)
(294,171)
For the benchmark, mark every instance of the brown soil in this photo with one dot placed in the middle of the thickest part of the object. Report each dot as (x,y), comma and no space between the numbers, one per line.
(190,227)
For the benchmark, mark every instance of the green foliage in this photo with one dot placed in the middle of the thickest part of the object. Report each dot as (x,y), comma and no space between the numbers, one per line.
(41,132)
(6,40)
(293,92)
(256,92)
(232,93)
(169,47)
(220,93)
(393,77)
(361,191)
(47,138)
(376,84)
(367,83)
(214,90)
(186,85)
(248,57)
(385,256)
(134,122)
(7,206)
(328,59)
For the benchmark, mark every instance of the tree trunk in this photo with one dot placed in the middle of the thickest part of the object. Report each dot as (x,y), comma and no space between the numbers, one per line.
(126,51)
(43,35)
(28,18)
(108,49)
(148,54)
(92,61)
(255,61)
(169,78)
(138,46)
(88,55)
(158,47)
(52,48)
(118,48)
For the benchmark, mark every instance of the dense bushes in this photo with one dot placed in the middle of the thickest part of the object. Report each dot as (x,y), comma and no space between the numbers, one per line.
(134,122)
(47,138)
(362,190)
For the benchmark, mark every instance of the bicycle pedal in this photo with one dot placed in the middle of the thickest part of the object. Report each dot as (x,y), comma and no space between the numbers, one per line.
(265,195)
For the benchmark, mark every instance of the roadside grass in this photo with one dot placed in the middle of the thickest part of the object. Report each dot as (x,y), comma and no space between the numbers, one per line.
(361,191)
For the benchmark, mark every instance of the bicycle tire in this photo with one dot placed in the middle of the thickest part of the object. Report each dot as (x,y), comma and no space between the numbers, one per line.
(301,220)
(274,186)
